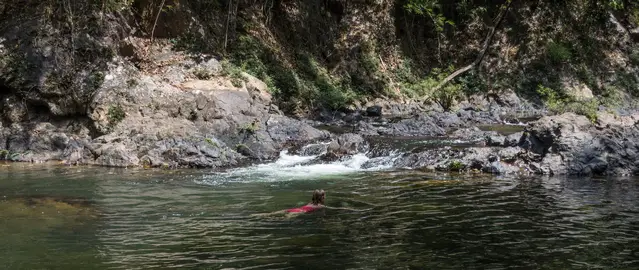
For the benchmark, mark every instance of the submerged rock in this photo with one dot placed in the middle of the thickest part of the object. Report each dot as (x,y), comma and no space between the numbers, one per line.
(47,210)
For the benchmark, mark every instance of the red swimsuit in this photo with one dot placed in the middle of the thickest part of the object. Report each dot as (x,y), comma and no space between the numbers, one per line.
(303,209)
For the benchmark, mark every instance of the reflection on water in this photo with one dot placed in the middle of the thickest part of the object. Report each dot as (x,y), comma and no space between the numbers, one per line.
(407,220)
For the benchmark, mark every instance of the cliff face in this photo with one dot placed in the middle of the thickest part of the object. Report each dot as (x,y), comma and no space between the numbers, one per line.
(330,52)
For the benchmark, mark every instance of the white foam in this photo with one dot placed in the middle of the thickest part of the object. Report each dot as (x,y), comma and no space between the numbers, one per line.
(294,167)
(289,160)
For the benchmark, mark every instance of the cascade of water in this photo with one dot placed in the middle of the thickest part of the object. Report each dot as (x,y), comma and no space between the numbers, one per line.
(302,166)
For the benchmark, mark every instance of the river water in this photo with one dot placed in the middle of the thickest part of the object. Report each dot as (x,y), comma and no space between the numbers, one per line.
(54,217)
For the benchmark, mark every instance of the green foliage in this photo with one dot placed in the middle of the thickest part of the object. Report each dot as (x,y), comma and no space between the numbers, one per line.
(587,108)
(211,142)
(307,84)
(203,73)
(115,115)
(559,103)
(250,128)
(586,75)
(471,83)
(558,53)
(234,73)
(610,96)
(634,16)
(255,59)
(455,166)
(405,73)
(627,81)
(615,4)
(549,95)
(431,9)
(333,93)
(8,155)
(96,79)
(368,58)
(448,95)
(634,56)
(421,88)
(368,78)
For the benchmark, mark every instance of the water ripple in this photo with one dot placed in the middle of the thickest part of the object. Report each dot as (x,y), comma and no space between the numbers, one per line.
(402,220)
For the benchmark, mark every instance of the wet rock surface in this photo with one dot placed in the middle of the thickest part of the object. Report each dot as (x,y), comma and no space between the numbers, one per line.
(178,117)
(566,144)
(571,144)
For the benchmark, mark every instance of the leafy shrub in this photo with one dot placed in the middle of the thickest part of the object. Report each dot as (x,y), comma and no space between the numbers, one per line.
(634,56)
(610,95)
(96,79)
(404,72)
(115,115)
(558,53)
(557,102)
(202,73)
(234,73)
(455,166)
(446,96)
(549,95)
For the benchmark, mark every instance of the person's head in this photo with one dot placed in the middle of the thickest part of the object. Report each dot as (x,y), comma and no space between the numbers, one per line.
(318,197)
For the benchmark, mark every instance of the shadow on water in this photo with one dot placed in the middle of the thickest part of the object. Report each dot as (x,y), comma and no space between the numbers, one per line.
(402,220)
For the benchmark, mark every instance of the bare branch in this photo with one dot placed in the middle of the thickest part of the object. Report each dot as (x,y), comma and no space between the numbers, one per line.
(482,53)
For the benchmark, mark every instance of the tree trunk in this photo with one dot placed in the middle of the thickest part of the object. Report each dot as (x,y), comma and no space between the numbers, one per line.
(482,53)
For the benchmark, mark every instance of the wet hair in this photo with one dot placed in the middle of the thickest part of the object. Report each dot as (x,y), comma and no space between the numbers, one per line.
(318,197)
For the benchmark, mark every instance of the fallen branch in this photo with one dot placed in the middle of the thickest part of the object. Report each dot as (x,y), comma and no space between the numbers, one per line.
(155,24)
(481,55)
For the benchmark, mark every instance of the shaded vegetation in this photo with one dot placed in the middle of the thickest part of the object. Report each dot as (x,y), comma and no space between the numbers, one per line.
(115,115)
(332,54)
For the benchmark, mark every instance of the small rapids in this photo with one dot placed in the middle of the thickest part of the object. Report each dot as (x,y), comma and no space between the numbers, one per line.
(381,217)
(307,164)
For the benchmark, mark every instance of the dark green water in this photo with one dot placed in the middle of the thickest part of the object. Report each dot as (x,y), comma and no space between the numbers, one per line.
(96,218)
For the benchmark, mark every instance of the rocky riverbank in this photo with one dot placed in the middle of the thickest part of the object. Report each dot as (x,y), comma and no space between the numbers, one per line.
(188,113)
(566,144)
(165,119)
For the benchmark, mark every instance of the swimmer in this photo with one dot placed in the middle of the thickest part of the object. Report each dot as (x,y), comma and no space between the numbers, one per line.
(317,203)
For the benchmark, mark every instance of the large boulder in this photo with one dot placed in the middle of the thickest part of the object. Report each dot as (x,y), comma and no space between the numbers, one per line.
(571,144)
(174,120)
(480,159)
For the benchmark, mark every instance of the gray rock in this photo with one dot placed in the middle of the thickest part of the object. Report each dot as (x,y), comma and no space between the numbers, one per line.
(495,140)
(494,167)
(116,155)
(472,134)
(509,154)
(513,139)
(417,126)
(570,144)
(375,110)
